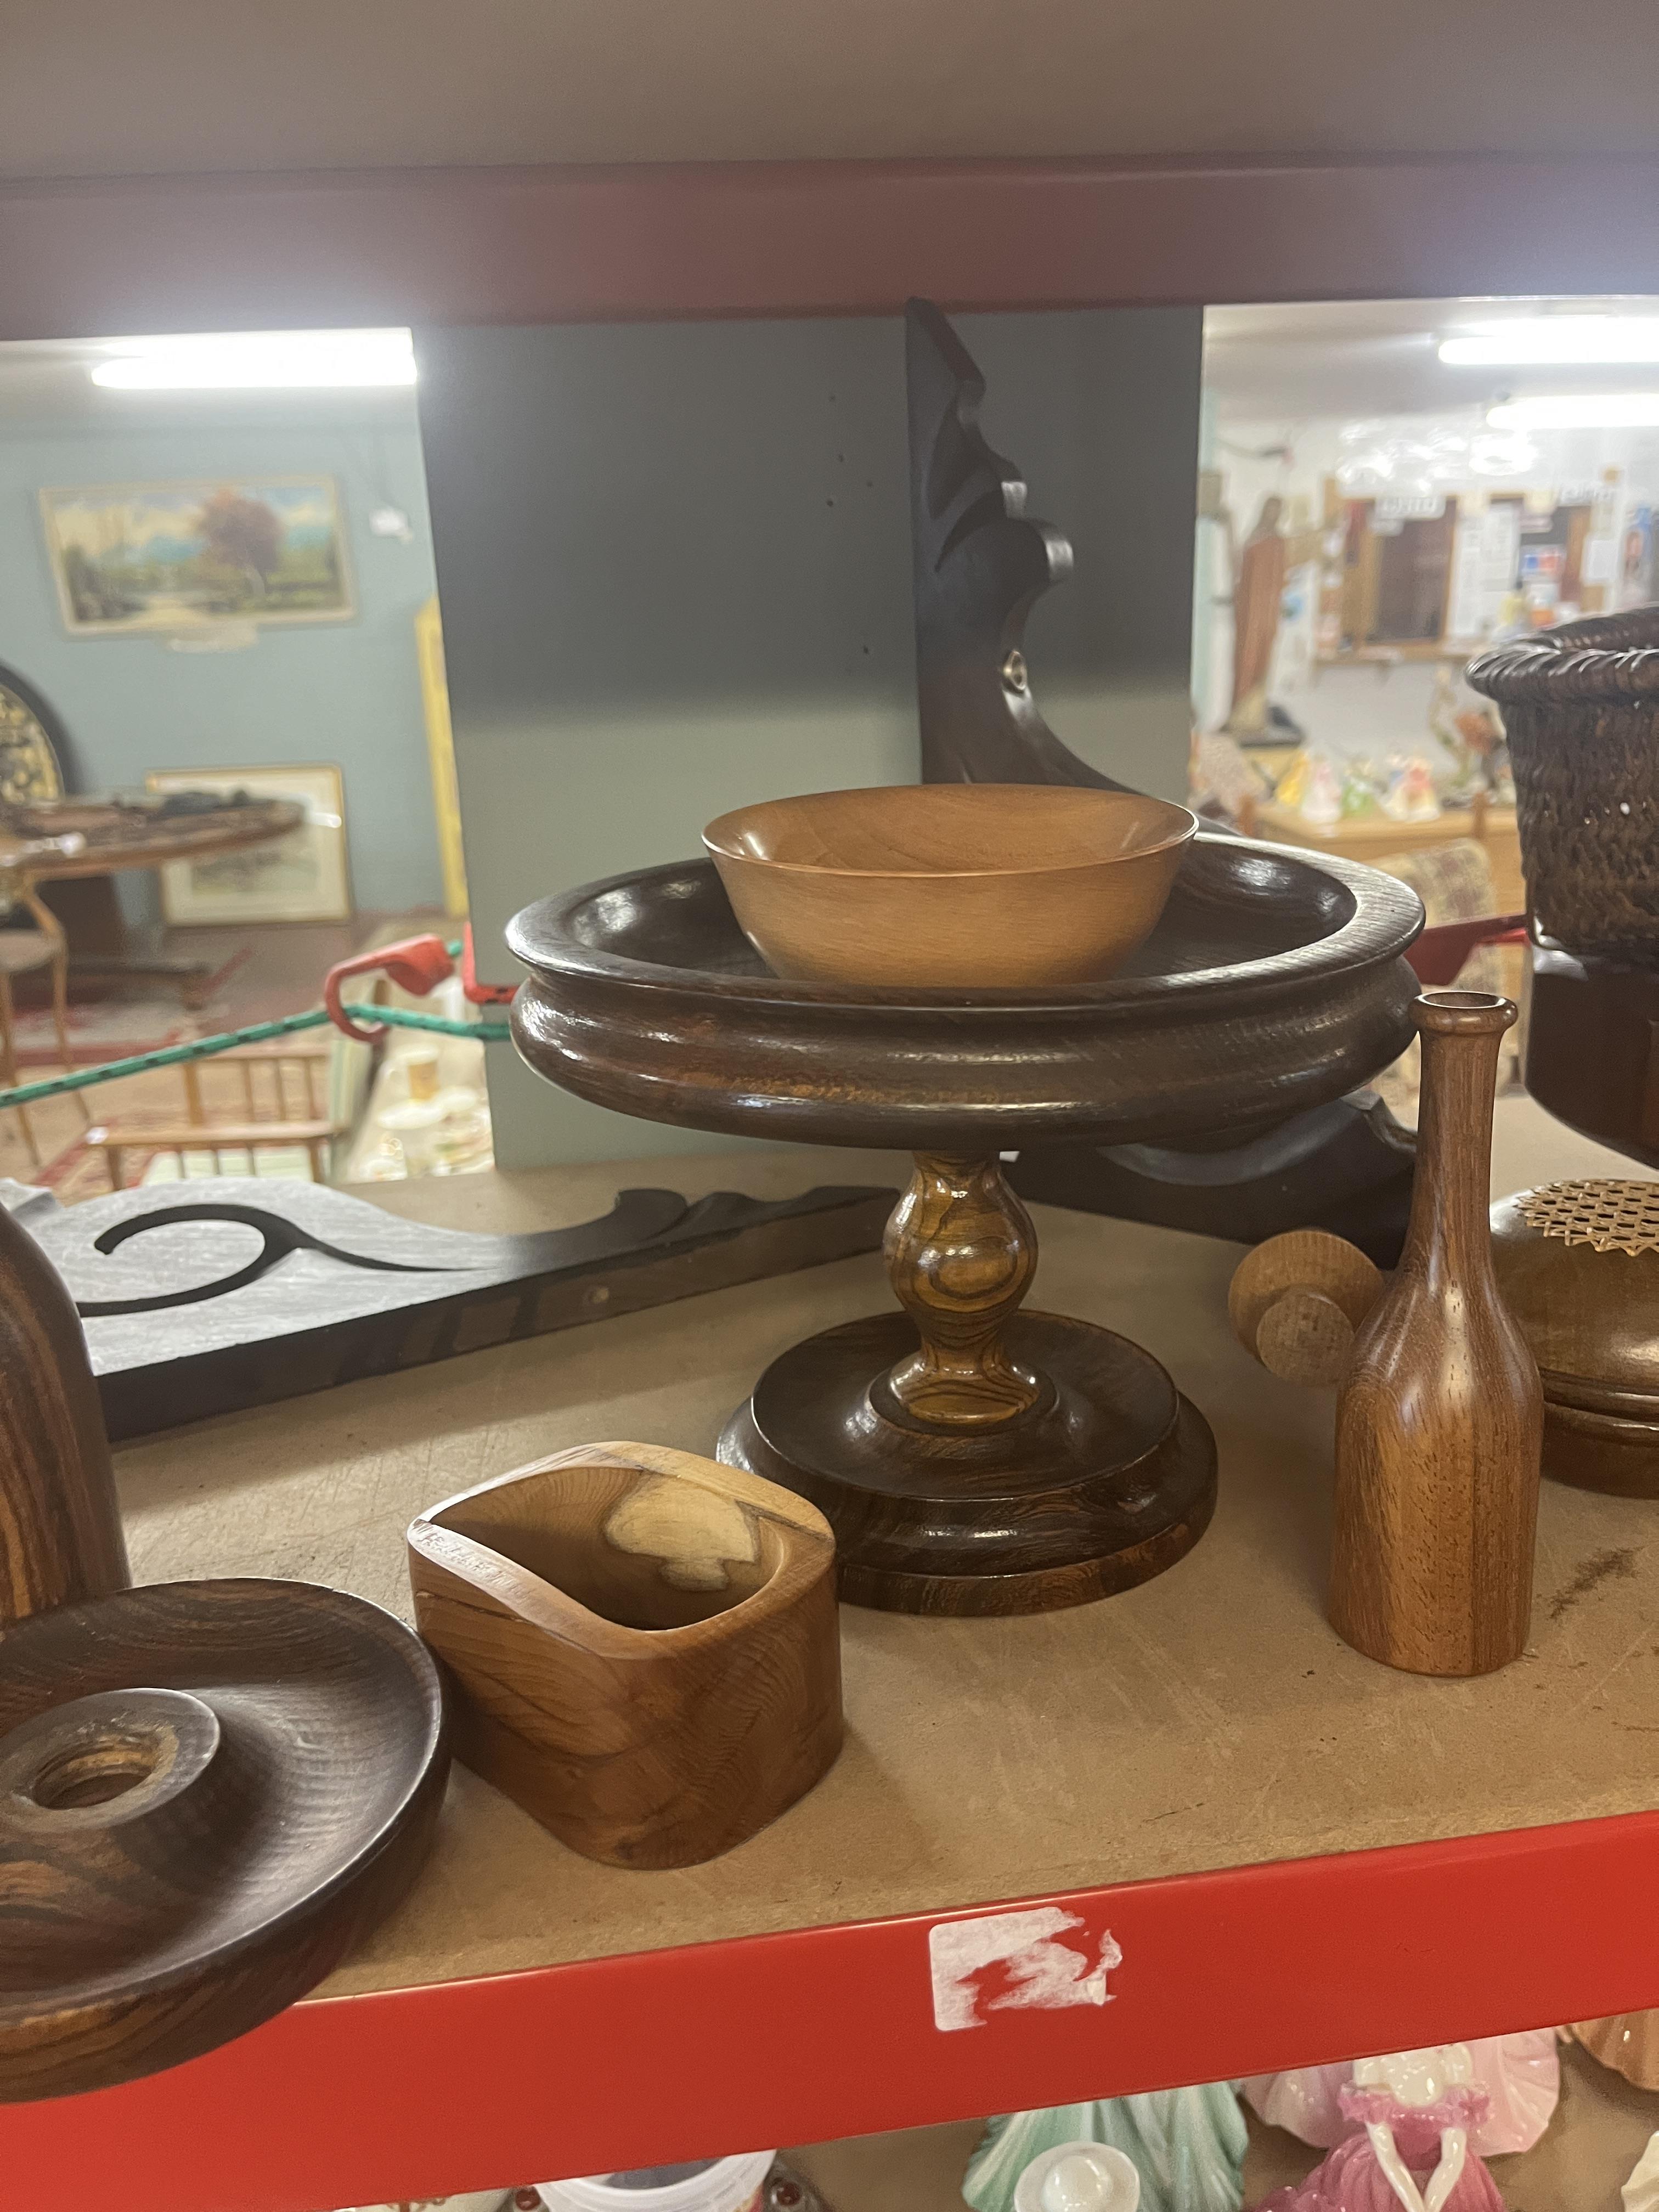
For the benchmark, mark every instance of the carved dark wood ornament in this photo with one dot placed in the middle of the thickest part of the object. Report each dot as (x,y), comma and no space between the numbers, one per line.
(272,1289)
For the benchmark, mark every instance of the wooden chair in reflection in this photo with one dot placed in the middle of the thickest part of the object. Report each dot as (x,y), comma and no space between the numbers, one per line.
(24,949)
(277,1081)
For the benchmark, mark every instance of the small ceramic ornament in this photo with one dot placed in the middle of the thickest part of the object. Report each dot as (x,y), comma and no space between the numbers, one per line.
(1410,796)
(1079,2177)
(1418,2110)
(1521,2075)
(1361,789)
(1641,2192)
(1186,2147)
(1321,801)
(476,2200)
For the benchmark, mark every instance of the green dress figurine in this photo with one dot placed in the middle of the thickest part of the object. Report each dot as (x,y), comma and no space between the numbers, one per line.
(1187,2145)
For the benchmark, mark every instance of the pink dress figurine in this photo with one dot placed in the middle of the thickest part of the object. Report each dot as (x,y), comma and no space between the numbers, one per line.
(1520,2073)
(1416,2110)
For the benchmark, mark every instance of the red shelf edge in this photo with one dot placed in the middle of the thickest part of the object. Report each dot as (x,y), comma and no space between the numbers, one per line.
(657,2056)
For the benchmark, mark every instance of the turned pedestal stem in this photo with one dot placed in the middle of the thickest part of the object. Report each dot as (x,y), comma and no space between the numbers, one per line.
(961,1252)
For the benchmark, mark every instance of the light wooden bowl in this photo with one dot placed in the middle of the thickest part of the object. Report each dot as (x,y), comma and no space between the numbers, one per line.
(643,1648)
(982,886)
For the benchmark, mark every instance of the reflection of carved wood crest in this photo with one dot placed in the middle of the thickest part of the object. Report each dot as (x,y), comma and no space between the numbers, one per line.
(980,563)
(270,1288)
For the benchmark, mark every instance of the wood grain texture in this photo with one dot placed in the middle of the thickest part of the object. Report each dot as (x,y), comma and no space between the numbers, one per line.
(960,1252)
(270,1288)
(644,1647)
(1297,1300)
(1106,1478)
(1272,983)
(1438,1425)
(1592,1047)
(60,1526)
(207,1792)
(1577,1263)
(1344,1167)
(950,885)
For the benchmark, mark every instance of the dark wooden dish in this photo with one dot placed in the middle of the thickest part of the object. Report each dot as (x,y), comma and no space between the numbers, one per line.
(209,1791)
(972,1459)
(1274,981)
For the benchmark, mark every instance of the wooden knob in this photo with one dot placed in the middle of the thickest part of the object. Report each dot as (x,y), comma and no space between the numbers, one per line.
(1297,1300)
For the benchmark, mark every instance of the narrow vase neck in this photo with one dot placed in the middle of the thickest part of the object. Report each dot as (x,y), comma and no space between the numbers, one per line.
(1448,1232)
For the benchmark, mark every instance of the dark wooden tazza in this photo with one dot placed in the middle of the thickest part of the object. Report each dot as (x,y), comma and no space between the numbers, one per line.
(972,1458)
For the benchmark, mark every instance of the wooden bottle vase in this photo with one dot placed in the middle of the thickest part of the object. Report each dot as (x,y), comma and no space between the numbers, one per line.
(1439,1423)
(60,1527)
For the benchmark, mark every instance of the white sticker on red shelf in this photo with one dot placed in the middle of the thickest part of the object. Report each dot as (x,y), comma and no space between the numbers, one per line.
(1029,1961)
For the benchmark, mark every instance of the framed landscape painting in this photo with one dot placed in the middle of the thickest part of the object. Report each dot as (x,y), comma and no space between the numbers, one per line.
(175,558)
(303,877)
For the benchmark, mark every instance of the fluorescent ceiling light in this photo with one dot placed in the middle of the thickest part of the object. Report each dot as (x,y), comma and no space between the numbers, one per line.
(250,360)
(1579,411)
(1555,340)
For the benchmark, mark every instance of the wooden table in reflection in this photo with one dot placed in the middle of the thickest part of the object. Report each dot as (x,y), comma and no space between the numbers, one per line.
(135,833)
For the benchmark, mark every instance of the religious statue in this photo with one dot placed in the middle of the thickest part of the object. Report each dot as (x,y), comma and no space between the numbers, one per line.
(1259,576)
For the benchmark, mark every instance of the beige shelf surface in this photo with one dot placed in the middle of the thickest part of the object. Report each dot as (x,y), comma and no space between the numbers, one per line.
(1209,1719)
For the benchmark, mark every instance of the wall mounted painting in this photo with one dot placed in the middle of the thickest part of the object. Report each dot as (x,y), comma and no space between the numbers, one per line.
(303,877)
(178,559)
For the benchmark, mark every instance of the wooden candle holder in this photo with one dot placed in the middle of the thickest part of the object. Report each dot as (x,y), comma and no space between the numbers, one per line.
(209,1792)
(644,1646)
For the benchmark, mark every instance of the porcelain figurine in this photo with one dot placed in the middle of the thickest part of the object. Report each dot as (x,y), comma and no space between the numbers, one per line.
(1322,802)
(1079,2177)
(1418,2110)
(1187,2146)
(1361,789)
(1521,2075)
(1641,2192)
(1410,796)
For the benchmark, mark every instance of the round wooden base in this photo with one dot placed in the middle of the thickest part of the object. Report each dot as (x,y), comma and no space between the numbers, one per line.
(1595,1451)
(1109,1479)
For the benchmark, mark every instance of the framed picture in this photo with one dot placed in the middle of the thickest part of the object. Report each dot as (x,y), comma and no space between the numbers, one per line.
(300,878)
(176,558)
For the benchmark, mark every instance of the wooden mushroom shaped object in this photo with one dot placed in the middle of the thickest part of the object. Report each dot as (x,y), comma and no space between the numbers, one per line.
(209,1791)
(644,1646)
(1297,1300)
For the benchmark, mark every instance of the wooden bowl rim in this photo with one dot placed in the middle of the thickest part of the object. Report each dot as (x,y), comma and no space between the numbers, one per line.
(1387,916)
(426,1769)
(806,1546)
(1181,831)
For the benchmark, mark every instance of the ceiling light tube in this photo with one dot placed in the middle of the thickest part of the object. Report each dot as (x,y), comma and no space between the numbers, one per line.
(1579,411)
(249,361)
(1555,340)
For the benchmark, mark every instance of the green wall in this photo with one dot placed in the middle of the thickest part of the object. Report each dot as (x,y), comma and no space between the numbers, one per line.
(674,562)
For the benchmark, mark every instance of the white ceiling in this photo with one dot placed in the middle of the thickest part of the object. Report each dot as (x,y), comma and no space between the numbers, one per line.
(101,87)
(1381,357)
